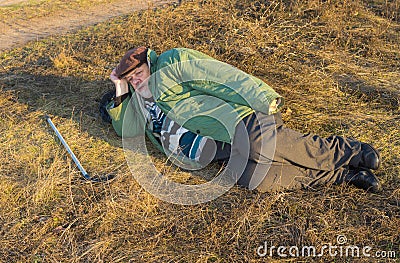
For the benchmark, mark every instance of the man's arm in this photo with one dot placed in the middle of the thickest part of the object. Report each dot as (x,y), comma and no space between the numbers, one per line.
(121,85)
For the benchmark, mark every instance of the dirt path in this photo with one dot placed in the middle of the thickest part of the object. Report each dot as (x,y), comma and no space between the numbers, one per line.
(16,32)
(10,2)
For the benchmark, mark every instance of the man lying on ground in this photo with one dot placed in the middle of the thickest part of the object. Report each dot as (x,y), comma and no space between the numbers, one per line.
(204,110)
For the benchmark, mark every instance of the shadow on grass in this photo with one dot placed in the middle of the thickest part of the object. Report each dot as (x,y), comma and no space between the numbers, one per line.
(352,84)
(65,97)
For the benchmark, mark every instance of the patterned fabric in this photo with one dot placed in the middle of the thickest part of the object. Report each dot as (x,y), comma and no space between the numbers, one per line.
(175,138)
(157,116)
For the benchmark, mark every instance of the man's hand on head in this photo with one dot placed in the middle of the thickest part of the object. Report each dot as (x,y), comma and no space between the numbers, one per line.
(121,85)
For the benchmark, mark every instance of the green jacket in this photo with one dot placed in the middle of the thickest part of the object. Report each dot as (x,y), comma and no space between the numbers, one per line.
(204,95)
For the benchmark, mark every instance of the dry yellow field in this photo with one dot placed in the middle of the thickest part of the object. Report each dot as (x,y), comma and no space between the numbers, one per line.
(337,63)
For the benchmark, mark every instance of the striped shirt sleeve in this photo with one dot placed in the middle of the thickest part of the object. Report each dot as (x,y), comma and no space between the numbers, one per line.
(174,137)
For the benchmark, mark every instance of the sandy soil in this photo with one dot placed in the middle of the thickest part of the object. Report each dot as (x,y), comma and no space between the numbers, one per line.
(18,32)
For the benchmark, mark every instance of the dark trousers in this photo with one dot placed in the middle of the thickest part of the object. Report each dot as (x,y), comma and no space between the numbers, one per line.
(280,158)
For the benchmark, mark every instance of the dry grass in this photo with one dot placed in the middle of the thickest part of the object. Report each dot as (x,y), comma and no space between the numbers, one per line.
(337,63)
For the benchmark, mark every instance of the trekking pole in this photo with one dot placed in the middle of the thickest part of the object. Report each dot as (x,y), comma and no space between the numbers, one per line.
(76,161)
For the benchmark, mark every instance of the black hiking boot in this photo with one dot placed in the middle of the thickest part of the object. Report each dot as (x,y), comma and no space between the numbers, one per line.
(370,157)
(364,179)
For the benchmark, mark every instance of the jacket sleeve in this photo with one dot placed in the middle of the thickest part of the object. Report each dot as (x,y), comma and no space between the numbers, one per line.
(127,118)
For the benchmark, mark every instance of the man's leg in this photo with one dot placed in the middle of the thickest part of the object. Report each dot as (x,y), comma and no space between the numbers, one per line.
(281,158)
(290,177)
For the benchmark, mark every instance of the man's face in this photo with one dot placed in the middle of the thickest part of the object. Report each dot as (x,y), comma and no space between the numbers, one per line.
(139,79)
